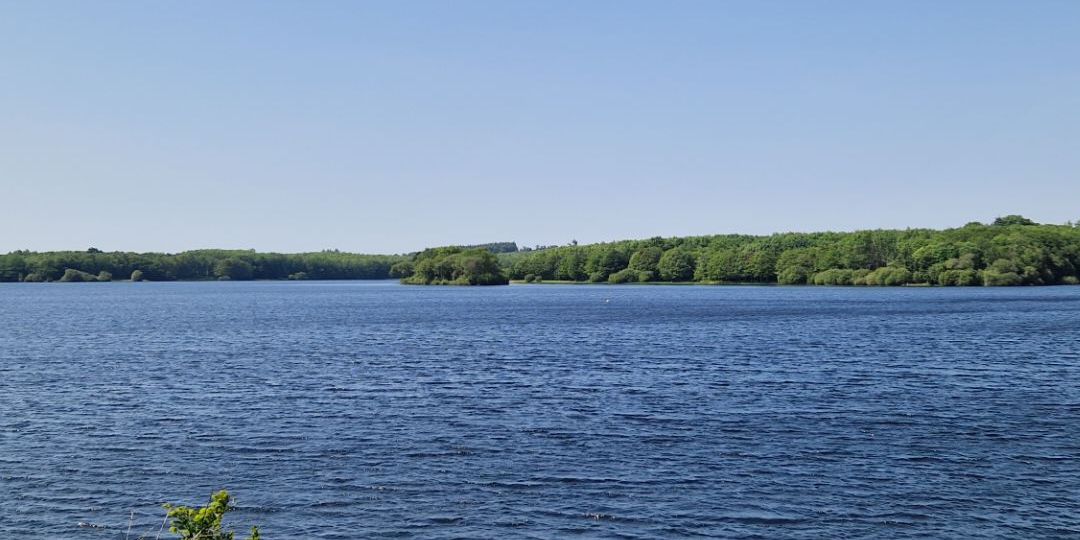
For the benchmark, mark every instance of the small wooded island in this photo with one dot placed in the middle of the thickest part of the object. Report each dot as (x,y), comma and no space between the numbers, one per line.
(1012,250)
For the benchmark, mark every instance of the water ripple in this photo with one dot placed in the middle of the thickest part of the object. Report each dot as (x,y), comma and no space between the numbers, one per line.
(353,410)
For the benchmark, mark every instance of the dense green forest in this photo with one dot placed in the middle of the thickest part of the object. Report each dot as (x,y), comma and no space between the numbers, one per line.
(95,265)
(451,266)
(1010,251)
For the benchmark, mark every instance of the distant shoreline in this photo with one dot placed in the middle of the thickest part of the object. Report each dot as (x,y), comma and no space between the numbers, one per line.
(1010,251)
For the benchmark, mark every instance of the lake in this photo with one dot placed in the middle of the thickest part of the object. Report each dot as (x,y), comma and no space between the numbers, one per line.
(341,410)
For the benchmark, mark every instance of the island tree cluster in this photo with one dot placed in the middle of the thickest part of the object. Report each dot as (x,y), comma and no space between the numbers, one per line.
(1010,251)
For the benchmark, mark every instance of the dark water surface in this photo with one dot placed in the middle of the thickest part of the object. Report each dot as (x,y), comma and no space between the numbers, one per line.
(372,410)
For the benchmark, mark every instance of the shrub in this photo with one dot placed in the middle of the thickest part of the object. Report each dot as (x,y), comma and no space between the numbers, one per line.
(34,277)
(623,276)
(104,276)
(792,275)
(959,278)
(994,278)
(72,275)
(1003,273)
(204,523)
(888,276)
(858,277)
(298,276)
(530,278)
(137,275)
(833,276)
(921,276)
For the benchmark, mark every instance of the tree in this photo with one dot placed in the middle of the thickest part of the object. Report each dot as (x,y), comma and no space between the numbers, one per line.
(402,269)
(795,266)
(12,268)
(570,264)
(234,269)
(1013,219)
(888,276)
(1002,272)
(204,523)
(456,266)
(676,265)
(604,262)
(646,259)
(137,275)
(723,265)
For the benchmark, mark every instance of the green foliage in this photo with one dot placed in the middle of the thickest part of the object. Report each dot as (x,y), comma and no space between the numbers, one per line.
(1037,254)
(12,268)
(888,276)
(1012,251)
(570,265)
(234,269)
(794,267)
(104,275)
(625,275)
(722,265)
(456,266)
(676,265)
(495,247)
(604,262)
(35,277)
(137,275)
(204,523)
(646,259)
(965,277)
(197,265)
(72,275)
(1006,221)
(401,269)
(834,276)
(1002,273)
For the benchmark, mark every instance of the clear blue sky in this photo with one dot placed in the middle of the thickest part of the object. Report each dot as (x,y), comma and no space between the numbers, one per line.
(388,127)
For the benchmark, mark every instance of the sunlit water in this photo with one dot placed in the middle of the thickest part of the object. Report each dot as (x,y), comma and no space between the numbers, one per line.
(353,410)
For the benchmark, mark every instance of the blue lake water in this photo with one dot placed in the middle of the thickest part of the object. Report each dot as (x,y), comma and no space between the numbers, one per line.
(345,410)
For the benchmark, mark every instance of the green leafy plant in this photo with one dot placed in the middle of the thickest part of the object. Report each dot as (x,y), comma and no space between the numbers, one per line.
(204,523)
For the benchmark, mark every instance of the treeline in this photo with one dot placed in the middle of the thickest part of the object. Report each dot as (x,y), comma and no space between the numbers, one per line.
(1012,250)
(495,247)
(95,265)
(452,265)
